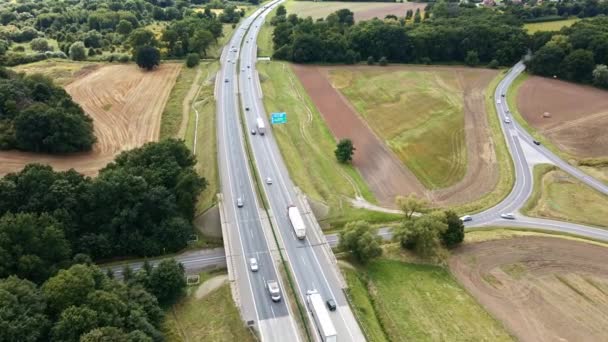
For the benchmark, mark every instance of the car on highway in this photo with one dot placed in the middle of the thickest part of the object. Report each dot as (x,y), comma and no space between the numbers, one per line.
(274,290)
(498,101)
(239,202)
(268,180)
(253,131)
(247,108)
(466,218)
(226,80)
(507,120)
(503,95)
(253,264)
(331,304)
(249,66)
(536,142)
(508,216)
(243,69)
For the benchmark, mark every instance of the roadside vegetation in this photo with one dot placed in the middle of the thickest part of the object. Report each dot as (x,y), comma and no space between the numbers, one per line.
(209,315)
(422,120)
(173,114)
(61,71)
(558,196)
(549,26)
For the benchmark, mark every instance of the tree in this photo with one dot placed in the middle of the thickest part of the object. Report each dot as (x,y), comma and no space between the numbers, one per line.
(22,317)
(411,205)
(124,27)
(546,61)
(423,235)
(383,61)
(281,11)
(73,322)
(167,282)
(69,287)
(147,57)
(78,52)
(344,151)
(417,17)
(106,334)
(201,41)
(360,240)
(578,65)
(600,75)
(141,37)
(454,233)
(370,60)
(472,58)
(40,45)
(192,60)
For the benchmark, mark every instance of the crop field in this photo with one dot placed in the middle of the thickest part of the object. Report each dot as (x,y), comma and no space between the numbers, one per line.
(125,104)
(577,114)
(415,128)
(561,197)
(540,288)
(61,71)
(549,25)
(411,302)
(362,10)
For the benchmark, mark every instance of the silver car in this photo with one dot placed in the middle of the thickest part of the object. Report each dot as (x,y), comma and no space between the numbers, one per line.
(253,264)
(466,218)
(274,290)
(508,216)
(239,202)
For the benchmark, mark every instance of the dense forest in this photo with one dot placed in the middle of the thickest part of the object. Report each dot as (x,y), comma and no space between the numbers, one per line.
(84,304)
(531,11)
(107,29)
(142,204)
(578,53)
(451,34)
(36,115)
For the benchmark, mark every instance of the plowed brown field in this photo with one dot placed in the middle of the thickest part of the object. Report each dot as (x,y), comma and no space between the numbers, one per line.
(541,288)
(579,114)
(386,175)
(125,103)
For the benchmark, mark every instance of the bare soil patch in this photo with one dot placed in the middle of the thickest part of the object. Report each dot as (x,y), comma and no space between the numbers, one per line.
(541,288)
(125,103)
(578,114)
(384,172)
(362,10)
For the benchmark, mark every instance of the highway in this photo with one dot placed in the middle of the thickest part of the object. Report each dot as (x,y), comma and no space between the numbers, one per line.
(309,259)
(248,239)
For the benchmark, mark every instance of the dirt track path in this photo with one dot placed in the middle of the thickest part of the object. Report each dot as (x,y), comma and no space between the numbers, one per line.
(187,103)
(126,104)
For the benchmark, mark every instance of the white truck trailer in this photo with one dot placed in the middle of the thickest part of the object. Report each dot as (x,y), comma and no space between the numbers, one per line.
(321,316)
(261,126)
(296,221)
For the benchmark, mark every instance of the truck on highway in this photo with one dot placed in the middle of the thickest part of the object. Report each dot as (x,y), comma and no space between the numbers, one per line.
(321,316)
(261,126)
(296,221)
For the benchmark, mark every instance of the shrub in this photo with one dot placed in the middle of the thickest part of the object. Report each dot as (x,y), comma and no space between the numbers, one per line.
(192,60)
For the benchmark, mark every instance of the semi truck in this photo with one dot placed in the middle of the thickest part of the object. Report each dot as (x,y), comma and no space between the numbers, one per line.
(325,327)
(261,126)
(296,221)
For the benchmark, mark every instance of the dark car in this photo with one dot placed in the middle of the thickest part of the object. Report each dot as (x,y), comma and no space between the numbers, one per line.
(331,305)
(247,108)
(536,142)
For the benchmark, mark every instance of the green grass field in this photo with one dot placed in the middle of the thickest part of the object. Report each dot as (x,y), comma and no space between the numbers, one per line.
(62,71)
(172,115)
(211,318)
(413,302)
(558,196)
(549,25)
(307,147)
(421,119)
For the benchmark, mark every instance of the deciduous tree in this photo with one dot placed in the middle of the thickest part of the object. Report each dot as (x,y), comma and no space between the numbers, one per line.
(360,239)
(344,151)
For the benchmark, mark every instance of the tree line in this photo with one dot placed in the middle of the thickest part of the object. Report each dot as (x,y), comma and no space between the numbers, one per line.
(38,116)
(84,304)
(531,11)
(578,53)
(141,204)
(475,36)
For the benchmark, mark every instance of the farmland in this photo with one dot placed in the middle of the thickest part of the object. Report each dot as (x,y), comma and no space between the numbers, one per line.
(125,104)
(418,303)
(362,10)
(549,25)
(541,288)
(577,115)
(558,196)
(441,143)
(61,71)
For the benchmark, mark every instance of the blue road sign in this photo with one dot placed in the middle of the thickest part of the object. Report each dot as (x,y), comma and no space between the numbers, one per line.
(278,118)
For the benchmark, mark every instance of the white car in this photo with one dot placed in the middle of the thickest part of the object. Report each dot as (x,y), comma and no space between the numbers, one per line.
(508,216)
(274,290)
(507,120)
(466,218)
(268,180)
(253,264)
(239,202)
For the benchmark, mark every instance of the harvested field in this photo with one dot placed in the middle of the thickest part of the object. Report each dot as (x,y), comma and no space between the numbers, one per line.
(540,288)
(362,10)
(125,103)
(428,135)
(549,25)
(578,115)
(62,71)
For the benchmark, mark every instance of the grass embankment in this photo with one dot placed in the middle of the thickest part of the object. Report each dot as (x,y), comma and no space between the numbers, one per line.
(264,40)
(421,120)
(307,146)
(506,173)
(558,196)
(173,113)
(549,25)
(61,71)
(412,302)
(214,317)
